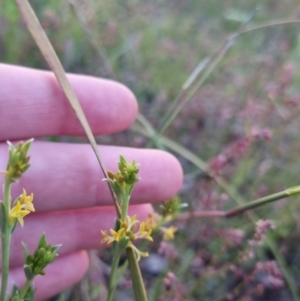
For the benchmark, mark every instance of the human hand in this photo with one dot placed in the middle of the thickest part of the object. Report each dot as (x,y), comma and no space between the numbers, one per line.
(72,202)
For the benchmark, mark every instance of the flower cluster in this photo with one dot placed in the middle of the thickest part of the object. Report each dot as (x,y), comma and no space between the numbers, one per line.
(43,255)
(127,233)
(18,161)
(22,206)
(155,222)
(122,182)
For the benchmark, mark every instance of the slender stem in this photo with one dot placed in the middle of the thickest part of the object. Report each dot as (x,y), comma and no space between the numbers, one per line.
(240,209)
(257,203)
(124,208)
(136,276)
(196,214)
(25,289)
(275,23)
(5,238)
(112,281)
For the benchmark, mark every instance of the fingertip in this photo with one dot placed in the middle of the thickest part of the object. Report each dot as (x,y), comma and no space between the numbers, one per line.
(161,177)
(109,106)
(34,100)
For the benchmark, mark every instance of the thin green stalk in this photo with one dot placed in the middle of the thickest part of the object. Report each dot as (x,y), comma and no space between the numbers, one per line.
(5,238)
(25,289)
(240,209)
(112,281)
(124,208)
(259,202)
(136,276)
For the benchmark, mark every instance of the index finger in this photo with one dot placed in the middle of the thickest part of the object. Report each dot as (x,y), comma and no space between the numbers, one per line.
(32,104)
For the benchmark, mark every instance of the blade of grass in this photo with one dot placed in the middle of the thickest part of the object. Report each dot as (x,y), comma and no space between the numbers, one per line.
(50,56)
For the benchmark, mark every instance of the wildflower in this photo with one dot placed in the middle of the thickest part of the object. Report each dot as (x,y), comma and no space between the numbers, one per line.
(127,231)
(22,207)
(18,161)
(122,182)
(37,262)
(130,223)
(168,232)
(127,234)
(115,235)
(261,229)
(144,232)
(153,221)
(26,201)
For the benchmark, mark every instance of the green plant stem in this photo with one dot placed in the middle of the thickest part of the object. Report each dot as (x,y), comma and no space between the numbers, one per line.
(5,238)
(239,209)
(25,289)
(257,203)
(124,208)
(136,276)
(112,281)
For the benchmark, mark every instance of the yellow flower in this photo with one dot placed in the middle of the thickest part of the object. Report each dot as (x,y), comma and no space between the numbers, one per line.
(144,232)
(127,231)
(26,201)
(130,223)
(168,232)
(115,235)
(17,213)
(138,253)
(21,208)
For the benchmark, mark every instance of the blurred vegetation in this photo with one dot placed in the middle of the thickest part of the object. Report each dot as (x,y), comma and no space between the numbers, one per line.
(243,121)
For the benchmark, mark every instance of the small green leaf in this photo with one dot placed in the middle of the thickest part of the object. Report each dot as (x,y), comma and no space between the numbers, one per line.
(26,252)
(14,226)
(42,242)
(15,290)
(28,272)
(55,248)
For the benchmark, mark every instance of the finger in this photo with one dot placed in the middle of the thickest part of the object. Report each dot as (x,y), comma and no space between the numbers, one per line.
(32,104)
(73,229)
(65,176)
(64,272)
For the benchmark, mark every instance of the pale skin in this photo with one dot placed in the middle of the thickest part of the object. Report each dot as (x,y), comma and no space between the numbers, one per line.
(65,178)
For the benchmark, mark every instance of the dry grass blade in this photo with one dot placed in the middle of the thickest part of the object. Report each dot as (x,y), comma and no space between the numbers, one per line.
(50,56)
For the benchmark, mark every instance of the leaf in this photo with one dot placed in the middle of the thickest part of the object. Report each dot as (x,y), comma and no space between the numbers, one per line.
(42,242)
(26,252)
(28,272)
